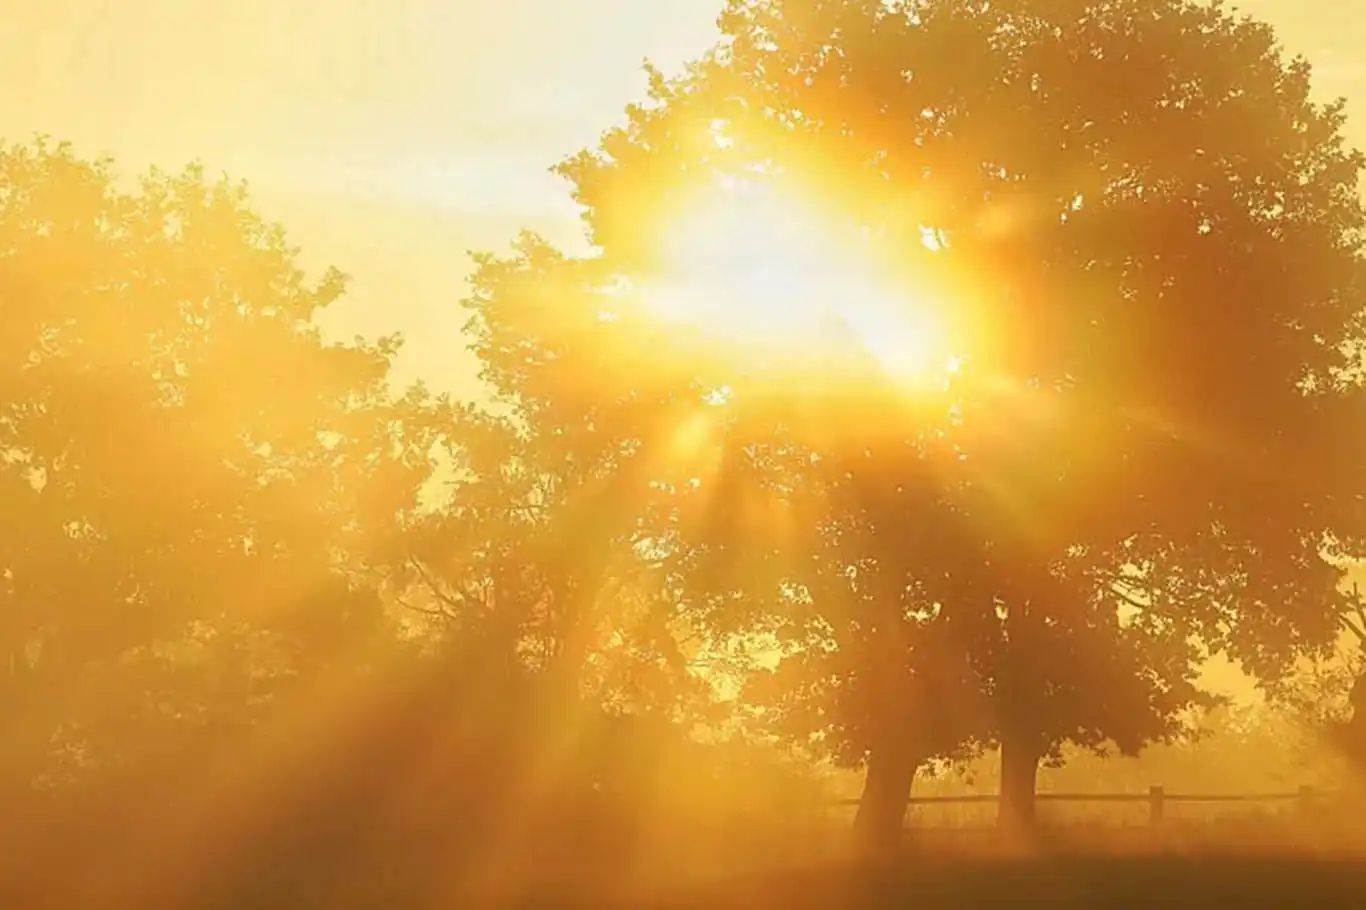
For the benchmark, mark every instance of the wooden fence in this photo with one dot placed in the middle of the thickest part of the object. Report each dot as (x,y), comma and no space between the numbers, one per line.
(1157,799)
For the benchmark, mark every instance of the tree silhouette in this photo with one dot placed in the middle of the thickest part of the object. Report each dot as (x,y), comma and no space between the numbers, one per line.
(1159,235)
(194,483)
(550,605)
(542,529)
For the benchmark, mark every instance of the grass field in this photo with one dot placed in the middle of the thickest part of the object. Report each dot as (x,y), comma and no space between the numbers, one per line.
(1310,860)
(940,883)
(1204,882)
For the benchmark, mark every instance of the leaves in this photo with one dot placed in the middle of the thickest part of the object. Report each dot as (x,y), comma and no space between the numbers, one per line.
(1156,234)
(182,448)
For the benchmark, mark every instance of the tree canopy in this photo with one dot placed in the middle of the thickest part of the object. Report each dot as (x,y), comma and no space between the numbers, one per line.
(1146,235)
(194,481)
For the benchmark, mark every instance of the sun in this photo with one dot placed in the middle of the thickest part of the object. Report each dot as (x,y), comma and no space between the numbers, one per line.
(759,273)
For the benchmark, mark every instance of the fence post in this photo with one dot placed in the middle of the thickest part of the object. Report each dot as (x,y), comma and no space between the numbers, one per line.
(1155,804)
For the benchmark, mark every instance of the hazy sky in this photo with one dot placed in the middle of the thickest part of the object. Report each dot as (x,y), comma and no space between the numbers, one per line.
(392,135)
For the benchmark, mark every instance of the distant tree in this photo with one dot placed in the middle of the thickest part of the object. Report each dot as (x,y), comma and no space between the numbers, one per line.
(194,484)
(540,542)
(537,568)
(1157,235)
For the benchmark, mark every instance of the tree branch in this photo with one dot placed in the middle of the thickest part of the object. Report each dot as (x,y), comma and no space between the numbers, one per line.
(1128,599)
(1358,630)
(435,612)
(438,590)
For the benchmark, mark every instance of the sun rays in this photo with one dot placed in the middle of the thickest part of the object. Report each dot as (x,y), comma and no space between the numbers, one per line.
(778,285)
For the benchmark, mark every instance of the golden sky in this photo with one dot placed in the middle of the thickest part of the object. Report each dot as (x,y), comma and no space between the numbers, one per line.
(392,135)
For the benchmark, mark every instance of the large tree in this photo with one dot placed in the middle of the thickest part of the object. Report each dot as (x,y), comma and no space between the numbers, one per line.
(1152,238)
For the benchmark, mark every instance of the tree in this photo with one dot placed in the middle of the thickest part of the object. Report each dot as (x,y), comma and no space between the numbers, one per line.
(1330,692)
(1154,241)
(541,533)
(537,569)
(194,483)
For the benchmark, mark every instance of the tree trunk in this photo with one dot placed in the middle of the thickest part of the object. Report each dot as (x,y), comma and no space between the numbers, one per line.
(881,817)
(1351,734)
(1020,757)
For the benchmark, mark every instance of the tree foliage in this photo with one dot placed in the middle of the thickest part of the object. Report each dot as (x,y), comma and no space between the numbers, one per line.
(1141,231)
(1153,239)
(194,481)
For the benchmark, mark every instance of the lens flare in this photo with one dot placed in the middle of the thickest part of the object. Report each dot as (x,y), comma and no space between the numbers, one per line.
(763,275)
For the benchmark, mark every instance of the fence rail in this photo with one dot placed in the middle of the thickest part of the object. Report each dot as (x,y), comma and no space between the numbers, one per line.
(1156,798)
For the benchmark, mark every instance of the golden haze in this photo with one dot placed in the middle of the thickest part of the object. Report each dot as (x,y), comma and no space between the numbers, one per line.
(387,151)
